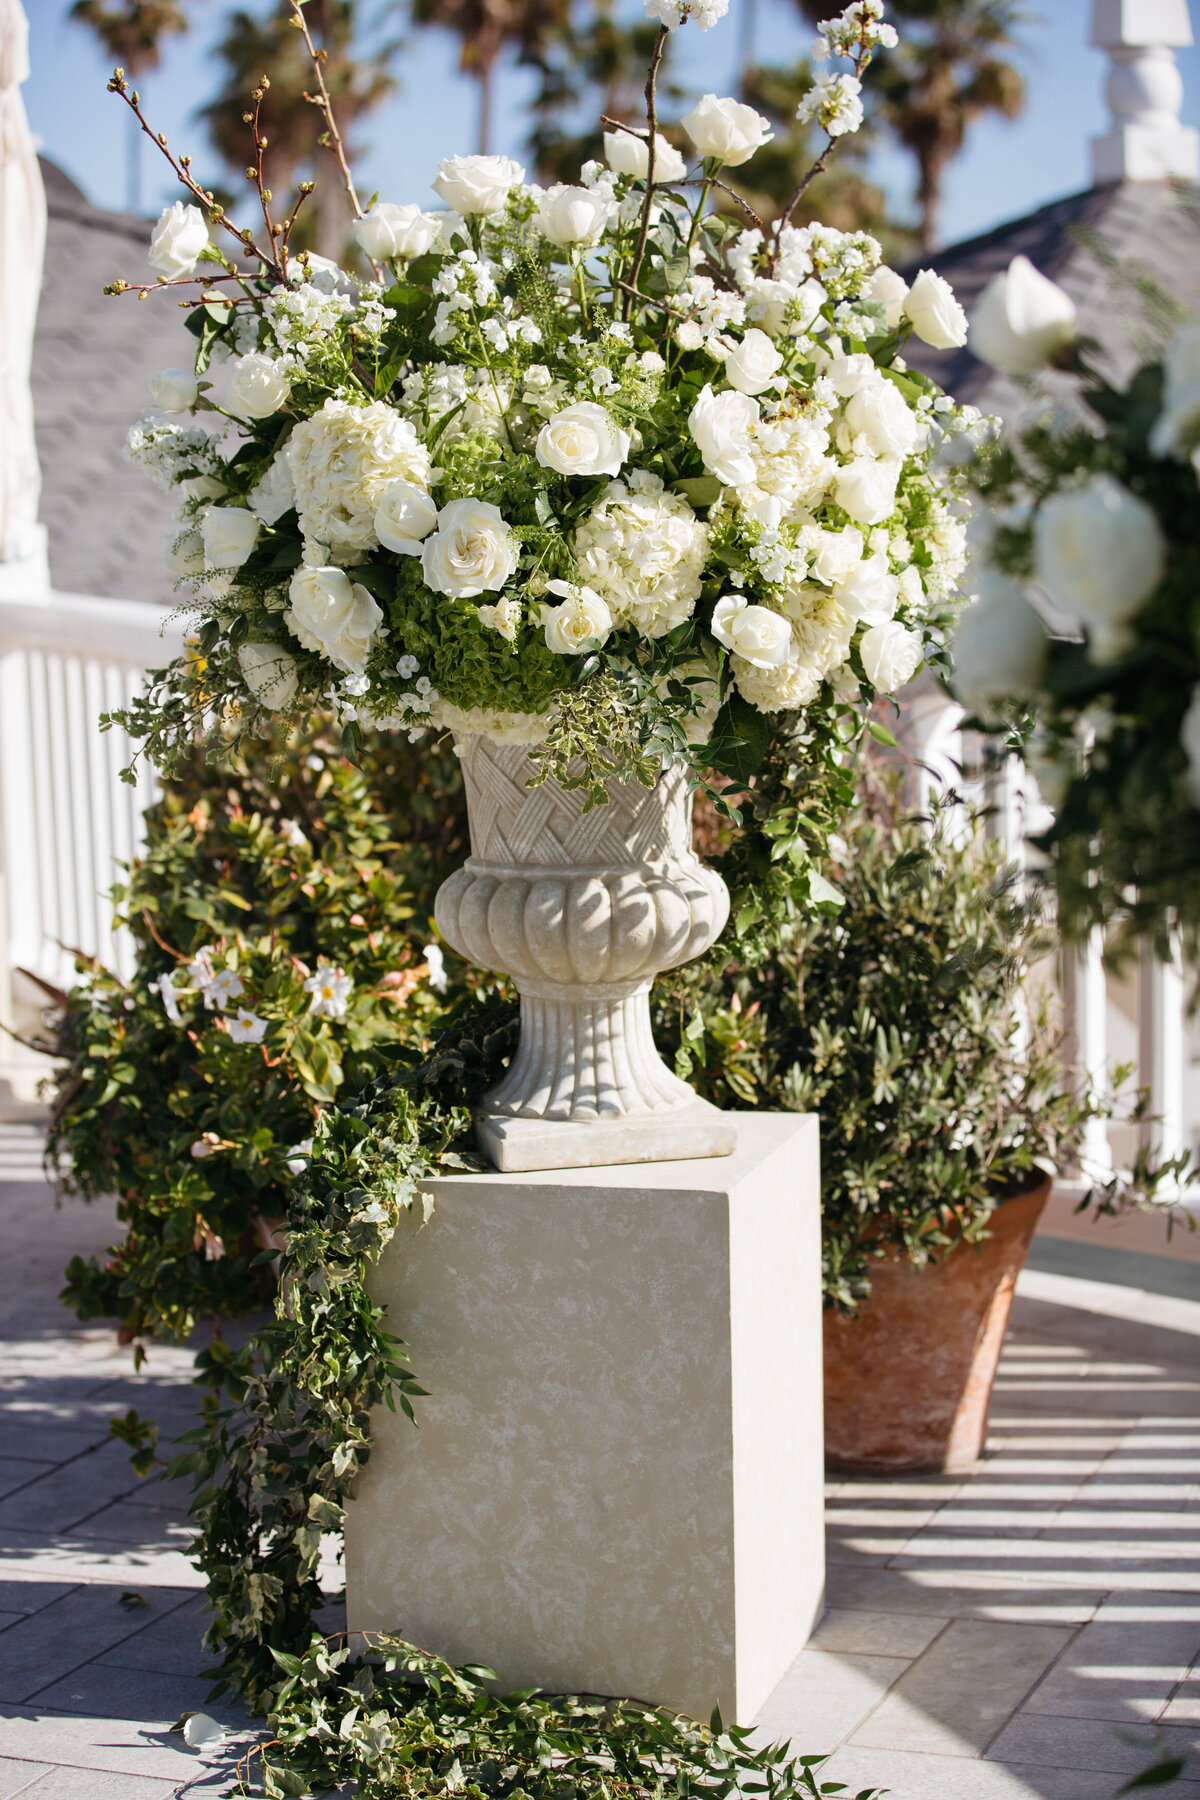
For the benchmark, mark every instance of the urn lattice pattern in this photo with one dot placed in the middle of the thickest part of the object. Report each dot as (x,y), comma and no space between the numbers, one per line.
(583,910)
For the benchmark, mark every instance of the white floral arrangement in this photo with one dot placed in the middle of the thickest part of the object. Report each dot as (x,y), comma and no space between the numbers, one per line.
(598,449)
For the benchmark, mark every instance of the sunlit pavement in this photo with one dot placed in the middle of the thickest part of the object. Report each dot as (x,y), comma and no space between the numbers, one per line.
(1031,1632)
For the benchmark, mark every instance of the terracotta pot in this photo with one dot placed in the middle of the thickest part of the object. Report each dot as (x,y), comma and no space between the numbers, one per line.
(908,1383)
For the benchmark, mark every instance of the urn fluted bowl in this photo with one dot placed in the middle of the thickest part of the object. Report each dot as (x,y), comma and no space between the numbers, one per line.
(583,909)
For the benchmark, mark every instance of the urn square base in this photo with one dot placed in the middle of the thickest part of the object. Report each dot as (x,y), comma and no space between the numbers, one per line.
(616,1483)
(515,1146)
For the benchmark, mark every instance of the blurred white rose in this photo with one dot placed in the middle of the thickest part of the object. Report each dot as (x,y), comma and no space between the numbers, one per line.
(1022,320)
(174,390)
(753,364)
(1099,553)
(573,215)
(1189,737)
(334,616)
(184,552)
(726,130)
(177,240)
(230,534)
(627,153)
(935,314)
(582,440)
(582,618)
(1178,425)
(389,231)
(721,425)
(477,185)
(257,387)
(404,517)
(270,674)
(999,648)
(471,552)
(891,655)
(889,290)
(275,493)
(754,633)
(866,489)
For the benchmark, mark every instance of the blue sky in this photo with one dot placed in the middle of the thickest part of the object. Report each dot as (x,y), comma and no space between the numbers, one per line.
(1005,170)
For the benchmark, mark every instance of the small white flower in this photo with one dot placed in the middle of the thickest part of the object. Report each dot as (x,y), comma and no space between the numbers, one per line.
(226,985)
(165,988)
(436,963)
(407,667)
(178,240)
(834,102)
(726,131)
(174,390)
(246,1027)
(330,988)
(504,617)
(673,13)
(754,633)
(299,1156)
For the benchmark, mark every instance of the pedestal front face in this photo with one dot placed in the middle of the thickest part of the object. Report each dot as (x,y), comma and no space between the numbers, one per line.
(616,1485)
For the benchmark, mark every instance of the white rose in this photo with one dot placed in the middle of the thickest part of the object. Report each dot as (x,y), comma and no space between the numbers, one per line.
(573,215)
(1189,737)
(754,633)
(275,493)
(889,290)
(174,390)
(1022,320)
(890,655)
(404,517)
(628,153)
(184,552)
(1176,426)
(582,440)
(270,674)
(837,553)
(582,619)
(257,388)
(880,413)
(1099,553)
(999,647)
(753,364)
(869,591)
(390,231)
(477,185)
(334,616)
(721,425)
(726,130)
(866,489)
(471,552)
(229,535)
(935,314)
(177,240)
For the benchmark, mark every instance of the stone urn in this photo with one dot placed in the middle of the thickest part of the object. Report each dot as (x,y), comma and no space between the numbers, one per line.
(908,1381)
(583,909)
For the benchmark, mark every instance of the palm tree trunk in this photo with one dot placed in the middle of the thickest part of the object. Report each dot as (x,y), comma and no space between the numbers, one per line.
(747,61)
(486,69)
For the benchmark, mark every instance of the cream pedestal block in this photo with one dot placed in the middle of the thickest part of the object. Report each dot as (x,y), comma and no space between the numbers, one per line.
(616,1483)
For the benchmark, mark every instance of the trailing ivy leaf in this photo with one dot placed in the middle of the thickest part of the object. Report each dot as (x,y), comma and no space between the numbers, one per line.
(739,741)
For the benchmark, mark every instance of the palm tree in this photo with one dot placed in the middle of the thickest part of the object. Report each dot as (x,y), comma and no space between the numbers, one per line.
(949,69)
(485,28)
(132,34)
(590,67)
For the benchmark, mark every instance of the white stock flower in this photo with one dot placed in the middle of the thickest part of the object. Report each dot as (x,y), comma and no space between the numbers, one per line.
(341,461)
(1099,553)
(727,131)
(174,390)
(834,102)
(275,493)
(1021,320)
(754,633)
(866,489)
(177,240)
(389,231)
(999,648)
(229,534)
(936,316)
(331,989)
(573,215)
(471,552)
(477,186)
(257,388)
(334,616)
(582,440)
(891,655)
(889,290)
(672,13)
(643,550)
(270,674)
(879,412)
(404,517)
(753,364)
(721,425)
(1178,425)
(1189,737)
(246,1027)
(580,620)
(628,153)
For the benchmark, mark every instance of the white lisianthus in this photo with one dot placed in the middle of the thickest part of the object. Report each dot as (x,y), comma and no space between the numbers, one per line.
(1099,553)
(582,619)
(1177,427)
(184,553)
(174,390)
(257,387)
(270,674)
(1022,320)
(334,616)
(889,290)
(891,655)
(628,153)
(836,554)
(726,131)
(721,425)
(753,364)
(643,550)
(341,461)
(1189,737)
(582,440)
(573,215)
(229,535)
(389,231)
(477,186)
(471,552)
(879,412)
(275,493)
(754,633)
(936,316)
(866,489)
(869,591)
(404,517)
(177,240)
(999,649)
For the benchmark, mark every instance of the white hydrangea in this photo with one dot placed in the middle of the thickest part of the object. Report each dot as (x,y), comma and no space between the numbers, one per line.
(822,631)
(341,461)
(792,463)
(946,539)
(643,550)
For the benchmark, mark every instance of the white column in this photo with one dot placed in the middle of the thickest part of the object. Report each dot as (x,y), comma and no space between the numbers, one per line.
(1145,140)
(23,566)
(1085,1005)
(1161,1003)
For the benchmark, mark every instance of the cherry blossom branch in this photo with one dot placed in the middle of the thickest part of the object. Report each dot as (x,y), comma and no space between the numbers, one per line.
(660,44)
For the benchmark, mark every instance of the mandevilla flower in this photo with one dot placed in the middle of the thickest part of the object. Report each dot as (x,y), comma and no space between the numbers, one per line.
(331,989)
(246,1027)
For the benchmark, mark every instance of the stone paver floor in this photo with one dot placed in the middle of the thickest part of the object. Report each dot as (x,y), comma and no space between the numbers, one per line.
(1030,1632)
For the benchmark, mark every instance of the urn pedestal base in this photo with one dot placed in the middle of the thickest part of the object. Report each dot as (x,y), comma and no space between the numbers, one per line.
(516,1145)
